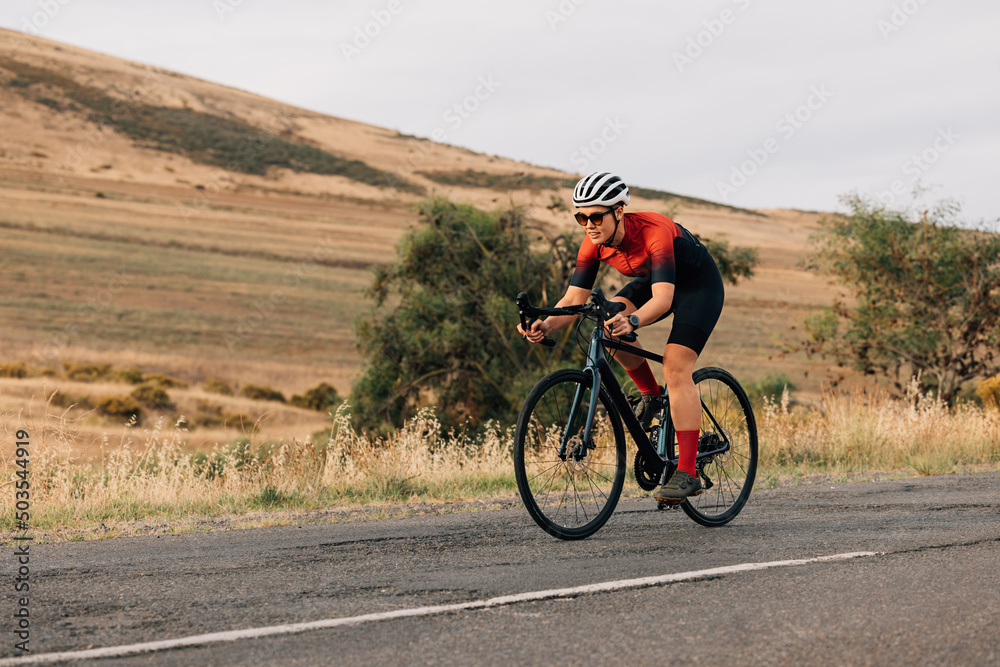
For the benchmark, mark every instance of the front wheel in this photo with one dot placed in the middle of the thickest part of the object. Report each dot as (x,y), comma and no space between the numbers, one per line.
(726,417)
(570,485)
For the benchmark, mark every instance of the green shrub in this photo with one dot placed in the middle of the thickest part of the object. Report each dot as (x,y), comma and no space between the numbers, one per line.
(207,414)
(87,372)
(124,407)
(238,420)
(153,397)
(770,386)
(257,393)
(319,398)
(49,102)
(129,375)
(164,381)
(989,392)
(210,415)
(483,179)
(61,400)
(557,203)
(217,386)
(15,370)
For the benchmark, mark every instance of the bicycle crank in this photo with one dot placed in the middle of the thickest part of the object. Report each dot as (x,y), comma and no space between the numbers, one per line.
(645,475)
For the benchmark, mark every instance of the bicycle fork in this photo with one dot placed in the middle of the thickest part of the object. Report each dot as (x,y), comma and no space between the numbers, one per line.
(594,373)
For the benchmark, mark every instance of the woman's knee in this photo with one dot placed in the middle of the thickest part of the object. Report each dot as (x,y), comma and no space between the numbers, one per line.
(678,377)
(678,365)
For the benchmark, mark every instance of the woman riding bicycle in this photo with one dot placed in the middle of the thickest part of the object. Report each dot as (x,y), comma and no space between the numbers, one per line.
(672,272)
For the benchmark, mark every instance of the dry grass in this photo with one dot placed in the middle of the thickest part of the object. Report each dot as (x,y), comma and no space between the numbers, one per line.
(148,475)
(870,431)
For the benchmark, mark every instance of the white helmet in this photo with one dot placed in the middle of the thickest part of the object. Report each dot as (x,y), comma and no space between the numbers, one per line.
(601,188)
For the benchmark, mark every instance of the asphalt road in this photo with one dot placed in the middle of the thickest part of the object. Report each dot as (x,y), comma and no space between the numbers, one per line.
(929,596)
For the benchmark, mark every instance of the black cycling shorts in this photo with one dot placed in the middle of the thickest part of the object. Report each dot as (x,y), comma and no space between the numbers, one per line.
(698,299)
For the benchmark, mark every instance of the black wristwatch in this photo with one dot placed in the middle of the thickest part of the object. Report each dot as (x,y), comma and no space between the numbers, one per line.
(634,321)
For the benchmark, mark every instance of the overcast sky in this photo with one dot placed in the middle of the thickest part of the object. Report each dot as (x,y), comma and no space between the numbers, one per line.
(762,103)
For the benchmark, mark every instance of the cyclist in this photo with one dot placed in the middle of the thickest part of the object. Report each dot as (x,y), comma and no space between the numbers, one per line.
(671,272)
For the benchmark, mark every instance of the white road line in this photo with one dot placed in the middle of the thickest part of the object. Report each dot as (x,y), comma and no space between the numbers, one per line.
(252,633)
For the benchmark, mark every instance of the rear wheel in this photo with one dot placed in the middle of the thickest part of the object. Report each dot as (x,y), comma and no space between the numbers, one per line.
(569,485)
(728,476)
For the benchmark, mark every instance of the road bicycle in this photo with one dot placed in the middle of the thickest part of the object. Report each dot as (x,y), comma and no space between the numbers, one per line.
(569,446)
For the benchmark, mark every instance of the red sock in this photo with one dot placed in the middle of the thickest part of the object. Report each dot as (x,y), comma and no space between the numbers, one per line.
(687,442)
(644,379)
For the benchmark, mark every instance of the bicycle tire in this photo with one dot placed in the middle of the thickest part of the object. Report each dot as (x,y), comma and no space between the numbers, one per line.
(732,473)
(571,497)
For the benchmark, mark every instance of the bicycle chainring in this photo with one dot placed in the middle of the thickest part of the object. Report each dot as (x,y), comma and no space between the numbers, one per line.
(647,477)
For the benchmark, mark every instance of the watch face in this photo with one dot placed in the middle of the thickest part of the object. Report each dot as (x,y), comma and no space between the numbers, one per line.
(633,320)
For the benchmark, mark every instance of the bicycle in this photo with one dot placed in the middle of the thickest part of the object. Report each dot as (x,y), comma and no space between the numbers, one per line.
(569,444)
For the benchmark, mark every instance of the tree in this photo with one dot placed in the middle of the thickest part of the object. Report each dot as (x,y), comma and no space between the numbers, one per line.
(926,296)
(449,339)
(444,331)
(734,263)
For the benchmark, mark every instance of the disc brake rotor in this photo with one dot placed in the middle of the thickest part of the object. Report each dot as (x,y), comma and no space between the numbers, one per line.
(576,456)
(712,441)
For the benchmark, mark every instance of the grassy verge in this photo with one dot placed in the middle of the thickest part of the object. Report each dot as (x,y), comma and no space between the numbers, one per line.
(146,476)
(856,433)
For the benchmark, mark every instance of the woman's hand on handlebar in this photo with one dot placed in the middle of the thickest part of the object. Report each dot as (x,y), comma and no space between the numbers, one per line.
(619,325)
(537,331)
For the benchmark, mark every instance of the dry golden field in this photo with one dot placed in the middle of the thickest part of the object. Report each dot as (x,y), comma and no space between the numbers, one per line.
(116,251)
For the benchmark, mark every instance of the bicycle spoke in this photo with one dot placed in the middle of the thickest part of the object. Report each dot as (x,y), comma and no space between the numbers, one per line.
(574,493)
(726,414)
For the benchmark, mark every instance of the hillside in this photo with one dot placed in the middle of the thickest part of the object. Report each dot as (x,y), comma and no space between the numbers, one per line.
(158,221)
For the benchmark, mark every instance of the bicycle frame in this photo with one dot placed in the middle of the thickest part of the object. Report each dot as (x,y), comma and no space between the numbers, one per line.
(599,369)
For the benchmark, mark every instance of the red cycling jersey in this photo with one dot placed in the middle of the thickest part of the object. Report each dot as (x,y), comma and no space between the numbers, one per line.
(654,247)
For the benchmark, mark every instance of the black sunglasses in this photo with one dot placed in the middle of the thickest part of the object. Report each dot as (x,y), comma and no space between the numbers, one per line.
(596,218)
